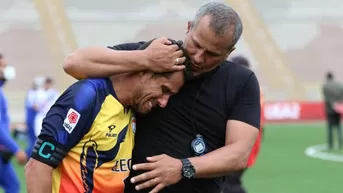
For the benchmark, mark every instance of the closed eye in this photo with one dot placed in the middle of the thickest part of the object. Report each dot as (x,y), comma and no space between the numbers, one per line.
(166,90)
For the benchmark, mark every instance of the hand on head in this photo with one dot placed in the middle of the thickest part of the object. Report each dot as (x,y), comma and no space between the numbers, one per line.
(163,56)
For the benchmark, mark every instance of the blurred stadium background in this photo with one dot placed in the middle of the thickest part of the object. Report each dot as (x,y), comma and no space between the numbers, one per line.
(291,45)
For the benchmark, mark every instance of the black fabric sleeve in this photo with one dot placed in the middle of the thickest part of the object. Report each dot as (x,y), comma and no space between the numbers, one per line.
(68,120)
(127,46)
(247,106)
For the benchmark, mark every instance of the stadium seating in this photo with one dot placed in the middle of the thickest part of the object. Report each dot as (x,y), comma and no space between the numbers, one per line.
(303,44)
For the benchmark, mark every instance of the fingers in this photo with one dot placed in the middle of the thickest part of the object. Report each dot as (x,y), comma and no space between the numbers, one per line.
(178,54)
(158,188)
(164,40)
(155,158)
(148,184)
(180,60)
(178,68)
(143,177)
(144,166)
(173,47)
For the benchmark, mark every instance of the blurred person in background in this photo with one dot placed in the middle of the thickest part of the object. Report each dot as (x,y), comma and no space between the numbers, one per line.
(8,147)
(333,96)
(31,112)
(233,182)
(46,97)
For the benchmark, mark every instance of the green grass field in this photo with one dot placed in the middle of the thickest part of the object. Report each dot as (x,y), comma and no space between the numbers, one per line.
(283,167)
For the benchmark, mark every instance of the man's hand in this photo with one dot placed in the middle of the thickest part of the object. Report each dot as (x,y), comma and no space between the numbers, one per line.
(162,171)
(21,157)
(164,57)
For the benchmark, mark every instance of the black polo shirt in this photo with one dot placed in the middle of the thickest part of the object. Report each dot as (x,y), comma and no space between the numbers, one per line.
(230,92)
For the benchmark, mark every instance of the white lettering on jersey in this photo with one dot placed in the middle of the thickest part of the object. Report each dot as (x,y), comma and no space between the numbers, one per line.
(71,120)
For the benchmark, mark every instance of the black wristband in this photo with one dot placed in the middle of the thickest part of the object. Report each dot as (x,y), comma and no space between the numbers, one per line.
(48,151)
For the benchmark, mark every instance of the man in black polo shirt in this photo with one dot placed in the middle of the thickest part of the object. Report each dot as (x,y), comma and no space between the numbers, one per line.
(207,130)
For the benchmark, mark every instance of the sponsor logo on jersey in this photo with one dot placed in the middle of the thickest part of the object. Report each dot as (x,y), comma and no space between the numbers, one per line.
(109,133)
(71,120)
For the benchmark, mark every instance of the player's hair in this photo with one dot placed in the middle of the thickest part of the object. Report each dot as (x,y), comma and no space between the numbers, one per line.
(48,80)
(241,60)
(223,18)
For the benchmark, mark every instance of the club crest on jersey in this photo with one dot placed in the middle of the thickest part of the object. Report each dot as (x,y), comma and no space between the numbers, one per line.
(71,120)
(133,124)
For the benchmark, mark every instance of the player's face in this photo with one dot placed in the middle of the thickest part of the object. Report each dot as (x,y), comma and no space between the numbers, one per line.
(206,49)
(155,91)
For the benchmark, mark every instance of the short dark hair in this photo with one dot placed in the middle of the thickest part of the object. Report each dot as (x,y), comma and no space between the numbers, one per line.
(48,80)
(329,76)
(241,60)
(223,18)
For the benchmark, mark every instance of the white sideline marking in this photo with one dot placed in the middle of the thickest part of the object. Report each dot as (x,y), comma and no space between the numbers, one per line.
(316,151)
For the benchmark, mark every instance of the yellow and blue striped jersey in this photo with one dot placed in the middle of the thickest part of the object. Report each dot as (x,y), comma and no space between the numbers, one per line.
(92,134)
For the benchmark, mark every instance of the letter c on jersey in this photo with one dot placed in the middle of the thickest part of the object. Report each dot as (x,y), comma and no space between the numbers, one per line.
(43,146)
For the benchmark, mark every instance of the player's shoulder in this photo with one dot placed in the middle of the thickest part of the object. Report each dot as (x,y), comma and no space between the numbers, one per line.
(96,83)
(88,88)
(127,46)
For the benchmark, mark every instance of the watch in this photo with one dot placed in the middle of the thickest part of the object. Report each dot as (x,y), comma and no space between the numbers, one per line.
(188,170)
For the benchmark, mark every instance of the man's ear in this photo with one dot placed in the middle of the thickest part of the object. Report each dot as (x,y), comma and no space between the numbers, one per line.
(189,26)
(231,50)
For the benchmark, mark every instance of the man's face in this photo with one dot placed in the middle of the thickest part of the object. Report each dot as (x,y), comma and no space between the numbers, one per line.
(155,90)
(47,86)
(206,49)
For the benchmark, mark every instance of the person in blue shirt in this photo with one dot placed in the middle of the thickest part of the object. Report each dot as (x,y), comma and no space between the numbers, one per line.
(8,147)
(31,113)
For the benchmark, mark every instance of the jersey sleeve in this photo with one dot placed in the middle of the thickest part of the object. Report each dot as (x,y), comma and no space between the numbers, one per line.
(127,46)
(247,107)
(67,121)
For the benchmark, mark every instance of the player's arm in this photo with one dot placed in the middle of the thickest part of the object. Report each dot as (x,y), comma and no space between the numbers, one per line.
(105,62)
(6,140)
(65,124)
(11,147)
(241,133)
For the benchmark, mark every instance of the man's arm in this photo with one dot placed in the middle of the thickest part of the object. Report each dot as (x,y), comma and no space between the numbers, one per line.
(65,124)
(105,62)
(241,133)
(38,177)
(240,138)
